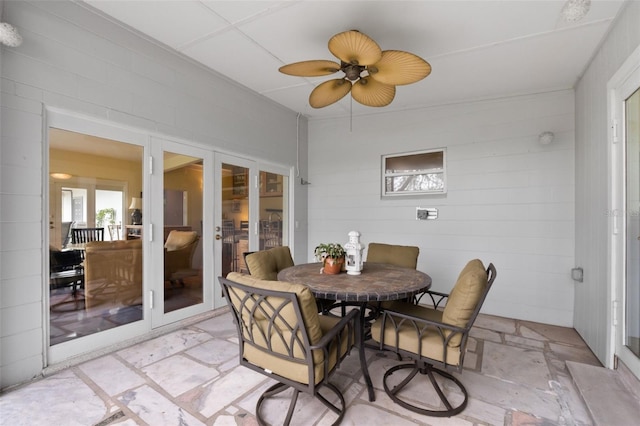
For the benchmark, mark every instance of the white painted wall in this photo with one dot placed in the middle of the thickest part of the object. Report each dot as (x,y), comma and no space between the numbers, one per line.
(73,59)
(592,174)
(510,199)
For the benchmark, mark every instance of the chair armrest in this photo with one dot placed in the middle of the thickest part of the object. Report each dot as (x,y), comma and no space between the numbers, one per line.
(422,324)
(433,295)
(333,339)
(327,338)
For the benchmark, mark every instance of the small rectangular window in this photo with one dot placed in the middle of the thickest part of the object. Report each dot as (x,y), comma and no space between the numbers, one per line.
(415,173)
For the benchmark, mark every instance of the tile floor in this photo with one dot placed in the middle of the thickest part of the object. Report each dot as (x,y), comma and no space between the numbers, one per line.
(515,373)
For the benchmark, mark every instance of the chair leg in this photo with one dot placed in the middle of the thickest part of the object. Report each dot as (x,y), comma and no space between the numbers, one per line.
(428,370)
(280,387)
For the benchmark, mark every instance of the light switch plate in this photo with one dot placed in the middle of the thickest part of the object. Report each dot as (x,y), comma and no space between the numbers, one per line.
(426,213)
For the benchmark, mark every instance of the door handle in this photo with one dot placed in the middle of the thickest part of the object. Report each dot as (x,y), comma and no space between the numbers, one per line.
(218,236)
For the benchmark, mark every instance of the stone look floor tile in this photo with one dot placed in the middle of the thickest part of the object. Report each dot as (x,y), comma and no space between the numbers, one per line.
(111,374)
(515,374)
(516,365)
(178,374)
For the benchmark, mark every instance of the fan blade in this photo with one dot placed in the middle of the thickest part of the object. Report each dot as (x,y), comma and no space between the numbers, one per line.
(397,67)
(329,92)
(372,93)
(353,47)
(310,68)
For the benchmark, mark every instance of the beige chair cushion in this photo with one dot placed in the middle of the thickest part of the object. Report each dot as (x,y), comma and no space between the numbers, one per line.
(404,256)
(262,265)
(266,264)
(315,325)
(282,256)
(431,344)
(465,296)
(180,239)
(113,273)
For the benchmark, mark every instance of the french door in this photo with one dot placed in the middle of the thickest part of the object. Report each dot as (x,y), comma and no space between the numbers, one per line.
(252,211)
(181,209)
(625,112)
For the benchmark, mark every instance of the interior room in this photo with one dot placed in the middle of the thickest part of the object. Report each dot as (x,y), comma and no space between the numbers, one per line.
(148,148)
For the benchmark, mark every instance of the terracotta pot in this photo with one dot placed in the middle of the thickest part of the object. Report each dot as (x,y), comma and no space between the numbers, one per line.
(333,266)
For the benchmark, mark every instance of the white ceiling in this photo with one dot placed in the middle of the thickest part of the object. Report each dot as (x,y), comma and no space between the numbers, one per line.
(478,49)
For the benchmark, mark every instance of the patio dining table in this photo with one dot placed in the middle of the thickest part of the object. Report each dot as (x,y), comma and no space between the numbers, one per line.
(378,282)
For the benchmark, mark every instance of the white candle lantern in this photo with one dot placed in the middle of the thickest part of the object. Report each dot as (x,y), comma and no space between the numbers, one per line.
(354,254)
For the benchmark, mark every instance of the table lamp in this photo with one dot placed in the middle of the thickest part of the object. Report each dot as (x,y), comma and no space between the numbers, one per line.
(136,215)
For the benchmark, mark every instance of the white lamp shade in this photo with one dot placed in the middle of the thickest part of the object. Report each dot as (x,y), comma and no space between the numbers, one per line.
(136,203)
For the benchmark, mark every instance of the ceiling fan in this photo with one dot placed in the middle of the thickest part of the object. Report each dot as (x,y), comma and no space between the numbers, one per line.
(371,74)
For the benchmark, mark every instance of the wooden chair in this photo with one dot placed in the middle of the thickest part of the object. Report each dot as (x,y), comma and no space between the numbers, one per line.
(115,231)
(282,336)
(433,337)
(85,235)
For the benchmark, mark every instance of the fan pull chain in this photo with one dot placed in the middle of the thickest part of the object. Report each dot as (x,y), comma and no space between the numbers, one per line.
(351,114)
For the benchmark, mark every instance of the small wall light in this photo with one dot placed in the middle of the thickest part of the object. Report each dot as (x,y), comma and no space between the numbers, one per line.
(545,138)
(577,274)
(9,35)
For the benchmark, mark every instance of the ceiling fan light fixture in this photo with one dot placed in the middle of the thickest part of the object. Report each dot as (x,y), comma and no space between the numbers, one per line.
(371,75)
(575,10)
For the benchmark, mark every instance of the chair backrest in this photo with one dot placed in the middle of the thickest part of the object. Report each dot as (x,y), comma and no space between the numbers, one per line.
(228,231)
(85,235)
(404,256)
(277,322)
(113,273)
(65,233)
(177,240)
(467,296)
(114,231)
(266,264)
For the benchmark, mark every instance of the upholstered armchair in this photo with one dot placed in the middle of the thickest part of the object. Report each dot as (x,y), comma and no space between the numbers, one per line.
(178,254)
(113,273)
(282,336)
(432,336)
(266,264)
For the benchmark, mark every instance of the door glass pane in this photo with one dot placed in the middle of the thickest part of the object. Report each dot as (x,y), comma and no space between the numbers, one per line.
(95,280)
(183,214)
(235,218)
(273,215)
(632,293)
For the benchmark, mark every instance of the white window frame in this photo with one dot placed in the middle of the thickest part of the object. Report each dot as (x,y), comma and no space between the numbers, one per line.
(414,193)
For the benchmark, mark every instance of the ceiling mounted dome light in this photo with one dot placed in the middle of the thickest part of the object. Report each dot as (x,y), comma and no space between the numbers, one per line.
(370,74)
(575,10)
(9,35)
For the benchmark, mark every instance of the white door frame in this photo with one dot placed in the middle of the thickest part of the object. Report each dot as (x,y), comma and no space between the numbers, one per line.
(624,82)
(154,231)
(89,126)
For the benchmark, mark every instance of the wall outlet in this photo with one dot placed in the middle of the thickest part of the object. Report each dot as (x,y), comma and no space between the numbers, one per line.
(426,213)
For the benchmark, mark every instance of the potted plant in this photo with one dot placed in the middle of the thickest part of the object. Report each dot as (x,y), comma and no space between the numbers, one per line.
(332,257)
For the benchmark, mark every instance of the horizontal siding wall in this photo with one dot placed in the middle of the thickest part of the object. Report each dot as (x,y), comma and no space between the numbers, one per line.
(510,200)
(75,60)
(592,310)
